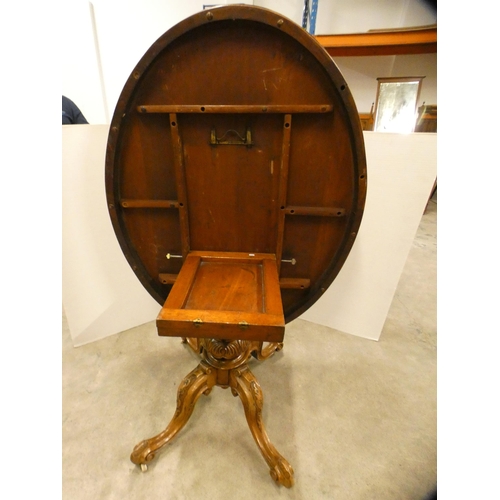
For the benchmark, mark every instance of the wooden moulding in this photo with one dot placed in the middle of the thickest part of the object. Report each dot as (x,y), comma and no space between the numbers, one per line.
(283,182)
(288,283)
(295,283)
(129,203)
(225,295)
(255,108)
(180,179)
(315,211)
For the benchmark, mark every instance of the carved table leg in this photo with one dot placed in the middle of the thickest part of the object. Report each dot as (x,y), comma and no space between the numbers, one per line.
(243,382)
(264,352)
(199,381)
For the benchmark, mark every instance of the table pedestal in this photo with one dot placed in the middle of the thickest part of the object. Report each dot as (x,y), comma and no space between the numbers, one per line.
(225,364)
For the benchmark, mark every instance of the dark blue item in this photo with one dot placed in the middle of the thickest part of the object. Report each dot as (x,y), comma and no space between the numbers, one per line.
(71,114)
(312,19)
(309,14)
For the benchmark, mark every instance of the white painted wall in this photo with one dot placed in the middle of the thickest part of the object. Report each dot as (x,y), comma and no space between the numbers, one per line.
(109,37)
(356,16)
(81,69)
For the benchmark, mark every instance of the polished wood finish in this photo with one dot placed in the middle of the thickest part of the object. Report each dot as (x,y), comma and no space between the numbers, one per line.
(169,279)
(253,108)
(150,204)
(170,191)
(236,182)
(224,364)
(227,296)
(418,40)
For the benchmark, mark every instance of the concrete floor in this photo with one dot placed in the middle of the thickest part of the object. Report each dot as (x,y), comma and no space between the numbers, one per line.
(355,418)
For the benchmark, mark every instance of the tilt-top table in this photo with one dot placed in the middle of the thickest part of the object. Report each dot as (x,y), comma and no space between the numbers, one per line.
(235,181)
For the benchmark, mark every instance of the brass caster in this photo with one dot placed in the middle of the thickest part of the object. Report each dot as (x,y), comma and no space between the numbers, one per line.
(144,467)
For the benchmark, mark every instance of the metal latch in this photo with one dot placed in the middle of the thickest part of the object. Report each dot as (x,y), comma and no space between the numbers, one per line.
(237,139)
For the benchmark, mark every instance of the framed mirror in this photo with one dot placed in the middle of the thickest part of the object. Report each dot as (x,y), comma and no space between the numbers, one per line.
(396,104)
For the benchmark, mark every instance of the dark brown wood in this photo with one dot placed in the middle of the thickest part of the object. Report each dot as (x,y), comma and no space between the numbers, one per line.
(180,177)
(150,204)
(283,185)
(230,196)
(167,279)
(315,211)
(255,108)
(296,283)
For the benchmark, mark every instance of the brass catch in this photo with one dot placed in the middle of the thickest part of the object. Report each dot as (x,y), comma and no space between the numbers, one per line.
(197,322)
(238,140)
(243,325)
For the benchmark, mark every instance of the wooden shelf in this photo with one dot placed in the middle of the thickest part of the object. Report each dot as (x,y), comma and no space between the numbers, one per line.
(419,40)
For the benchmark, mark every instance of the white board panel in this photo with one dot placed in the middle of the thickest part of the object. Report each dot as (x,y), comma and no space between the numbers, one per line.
(401,174)
(101,294)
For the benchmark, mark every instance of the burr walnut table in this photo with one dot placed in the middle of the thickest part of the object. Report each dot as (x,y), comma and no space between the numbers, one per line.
(235,181)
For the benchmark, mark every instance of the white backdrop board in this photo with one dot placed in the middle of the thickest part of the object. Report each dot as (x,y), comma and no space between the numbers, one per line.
(401,173)
(102,296)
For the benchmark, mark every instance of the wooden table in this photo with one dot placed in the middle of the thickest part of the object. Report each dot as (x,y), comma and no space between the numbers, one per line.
(236,181)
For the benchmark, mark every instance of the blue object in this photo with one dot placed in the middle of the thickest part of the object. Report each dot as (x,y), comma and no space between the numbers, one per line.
(305,14)
(312,20)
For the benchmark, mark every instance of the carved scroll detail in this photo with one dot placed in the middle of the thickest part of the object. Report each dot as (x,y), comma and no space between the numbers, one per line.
(224,363)
(200,380)
(247,387)
(225,354)
(222,349)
